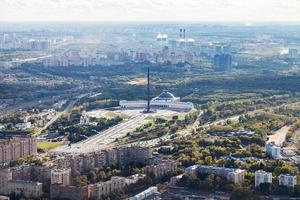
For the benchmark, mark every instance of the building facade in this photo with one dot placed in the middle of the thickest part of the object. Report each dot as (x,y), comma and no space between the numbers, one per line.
(262,177)
(287,180)
(222,62)
(27,188)
(92,191)
(165,100)
(160,168)
(14,145)
(61,176)
(273,150)
(103,189)
(150,194)
(121,156)
(58,191)
(236,176)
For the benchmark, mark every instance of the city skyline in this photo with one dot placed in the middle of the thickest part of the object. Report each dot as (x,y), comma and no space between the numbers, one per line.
(149,99)
(150,10)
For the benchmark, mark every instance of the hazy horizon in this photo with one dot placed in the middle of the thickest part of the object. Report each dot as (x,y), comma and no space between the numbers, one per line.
(150,10)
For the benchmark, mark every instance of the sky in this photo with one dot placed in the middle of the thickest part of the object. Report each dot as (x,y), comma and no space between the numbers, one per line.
(150,10)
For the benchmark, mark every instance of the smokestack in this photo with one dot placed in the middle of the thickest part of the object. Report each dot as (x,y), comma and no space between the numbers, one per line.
(148,91)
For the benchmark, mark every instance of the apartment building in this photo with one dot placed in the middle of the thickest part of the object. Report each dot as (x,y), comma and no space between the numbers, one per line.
(273,150)
(232,175)
(93,191)
(61,176)
(262,177)
(14,145)
(27,188)
(121,156)
(287,180)
(161,167)
(150,194)
(105,188)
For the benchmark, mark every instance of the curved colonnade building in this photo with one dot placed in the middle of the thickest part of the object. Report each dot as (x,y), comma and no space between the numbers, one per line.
(165,100)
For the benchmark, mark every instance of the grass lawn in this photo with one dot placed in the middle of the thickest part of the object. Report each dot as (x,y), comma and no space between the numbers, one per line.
(46,146)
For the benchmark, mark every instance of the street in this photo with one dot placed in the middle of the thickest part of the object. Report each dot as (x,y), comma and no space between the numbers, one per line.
(104,138)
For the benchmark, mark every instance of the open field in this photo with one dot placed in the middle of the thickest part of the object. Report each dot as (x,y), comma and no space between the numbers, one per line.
(47,146)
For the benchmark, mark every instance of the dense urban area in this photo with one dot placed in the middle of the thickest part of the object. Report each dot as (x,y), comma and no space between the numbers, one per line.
(149,111)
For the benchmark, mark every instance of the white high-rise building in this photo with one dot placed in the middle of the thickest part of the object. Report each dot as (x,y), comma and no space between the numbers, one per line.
(287,180)
(262,177)
(84,119)
(273,150)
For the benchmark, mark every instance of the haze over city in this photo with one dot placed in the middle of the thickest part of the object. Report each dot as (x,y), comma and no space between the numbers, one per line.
(150,10)
(149,99)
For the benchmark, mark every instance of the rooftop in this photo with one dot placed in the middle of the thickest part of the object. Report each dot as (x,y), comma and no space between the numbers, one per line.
(165,96)
(10,134)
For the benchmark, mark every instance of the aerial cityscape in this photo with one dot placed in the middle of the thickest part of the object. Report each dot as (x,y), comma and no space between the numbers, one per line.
(149,100)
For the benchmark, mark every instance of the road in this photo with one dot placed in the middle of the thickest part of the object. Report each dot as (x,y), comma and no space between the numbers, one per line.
(104,138)
(279,136)
(20,61)
(31,59)
(185,132)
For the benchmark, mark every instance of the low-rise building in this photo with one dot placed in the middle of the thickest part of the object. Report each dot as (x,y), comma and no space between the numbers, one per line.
(192,170)
(262,177)
(23,126)
(134,178)
(232,175)
(165,100)
(150,194)
(287,180)
(242,132)
(296,159)
(175,179)
(273,150)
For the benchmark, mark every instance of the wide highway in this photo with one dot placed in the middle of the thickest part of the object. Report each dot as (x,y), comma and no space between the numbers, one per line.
(104,138)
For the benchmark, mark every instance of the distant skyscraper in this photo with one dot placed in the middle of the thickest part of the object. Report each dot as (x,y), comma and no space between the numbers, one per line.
(219,50)
(293,53)
(172,44)
(227,49)
(223,58)
(165,52)
(222,62)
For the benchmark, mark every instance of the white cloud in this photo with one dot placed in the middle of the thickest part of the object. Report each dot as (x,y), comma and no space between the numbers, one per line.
(150,10)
